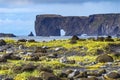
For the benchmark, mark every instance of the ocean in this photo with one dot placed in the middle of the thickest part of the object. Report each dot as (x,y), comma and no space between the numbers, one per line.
(41,38)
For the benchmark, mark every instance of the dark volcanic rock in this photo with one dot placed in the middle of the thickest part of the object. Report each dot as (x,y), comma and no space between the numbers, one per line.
(3,59)
(34,78)
(99,24)
(104,58)
(7,35)
(48,76)
(22,40)
(31,34)
(28,67)
(113,75)
(2,42)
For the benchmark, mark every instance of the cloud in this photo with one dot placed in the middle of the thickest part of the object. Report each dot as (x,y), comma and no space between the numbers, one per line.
(17,21)
(18,10)
(29,2)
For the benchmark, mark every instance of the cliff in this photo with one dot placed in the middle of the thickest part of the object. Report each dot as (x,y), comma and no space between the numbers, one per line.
(99,24)
(7,35)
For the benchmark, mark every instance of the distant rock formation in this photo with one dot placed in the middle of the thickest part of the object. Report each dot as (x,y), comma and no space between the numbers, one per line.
(7,35)
(99,24)
(31,34)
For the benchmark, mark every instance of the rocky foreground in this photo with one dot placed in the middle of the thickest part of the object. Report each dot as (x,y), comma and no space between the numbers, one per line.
(73,59)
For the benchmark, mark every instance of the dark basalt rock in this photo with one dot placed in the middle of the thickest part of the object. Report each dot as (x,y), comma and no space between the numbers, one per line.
(8,79)
(34,78)
(104,58)
(3,59)
(22,40)
(75,37)
(98,24)
(46,69)
(7,35)
(113,75)
(7,56)
(48,76)
(2,42)
(63,75)
(17,69)
(31,40)
(28,67)
(31,34)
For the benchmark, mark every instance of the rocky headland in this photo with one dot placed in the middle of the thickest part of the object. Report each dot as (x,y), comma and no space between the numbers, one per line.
(7,35)
(98,24)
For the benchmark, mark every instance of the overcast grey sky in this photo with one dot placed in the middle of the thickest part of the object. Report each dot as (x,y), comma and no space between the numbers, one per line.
(18,16)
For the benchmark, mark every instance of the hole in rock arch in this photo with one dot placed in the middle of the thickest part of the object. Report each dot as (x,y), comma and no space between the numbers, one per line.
(62,32)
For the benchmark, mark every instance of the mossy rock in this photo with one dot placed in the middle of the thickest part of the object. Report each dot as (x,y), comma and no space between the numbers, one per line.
(3,59)
(100,39)
(2,42)
(40,49)
(104,58)
(69,71)
(34,78)
(73,41)
(75,37)
(22,40)
(31,40)
(7,56)
(109,38)
(48,76)
(82,75)
(113,75)
(62,75)
(28,67)
(46,69)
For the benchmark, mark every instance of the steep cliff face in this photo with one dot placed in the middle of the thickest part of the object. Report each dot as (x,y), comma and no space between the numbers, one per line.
(99,24)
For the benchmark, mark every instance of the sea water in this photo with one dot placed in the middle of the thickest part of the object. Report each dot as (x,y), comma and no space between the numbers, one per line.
(41,38)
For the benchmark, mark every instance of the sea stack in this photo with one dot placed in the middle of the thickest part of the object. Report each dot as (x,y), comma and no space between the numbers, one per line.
(31,34)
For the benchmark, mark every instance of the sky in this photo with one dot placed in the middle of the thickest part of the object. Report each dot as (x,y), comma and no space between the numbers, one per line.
(18,16)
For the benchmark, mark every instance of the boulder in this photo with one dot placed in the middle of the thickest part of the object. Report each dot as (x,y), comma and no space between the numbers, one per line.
(63,75)
(68,71)
(2,42)
(34,58)
(7,56)
(48,76)
(113,75)
(40,49)
(21,47)
(75,37)
(8,79)
(73,74)
(104,58)
(52,56)
(22,40)
(13,57)
(63,59)
(31,40)
(46,69)
(82,75)
(17,69)
(28,67)
(9,51)
(34,78)
(3,59)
